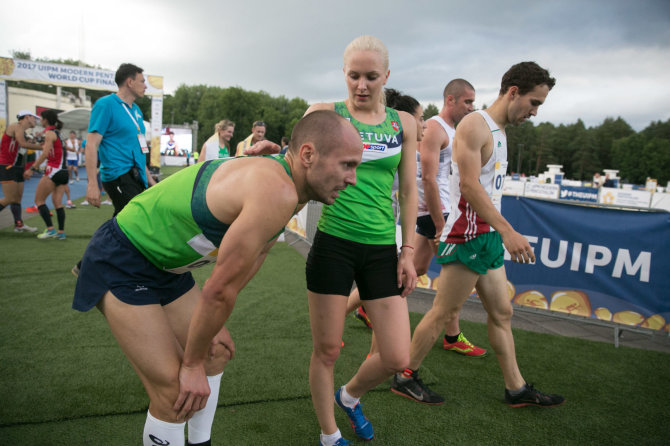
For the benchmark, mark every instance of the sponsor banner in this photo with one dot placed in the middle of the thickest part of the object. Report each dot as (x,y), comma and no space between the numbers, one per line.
(68,75)
(541,190)
(600,263)
(156,129)
(165,160)
(512,187)
(3,107)
(660,201)
(625,197)
(588,194)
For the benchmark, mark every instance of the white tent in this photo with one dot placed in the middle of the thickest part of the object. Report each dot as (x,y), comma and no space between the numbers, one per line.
(77,120)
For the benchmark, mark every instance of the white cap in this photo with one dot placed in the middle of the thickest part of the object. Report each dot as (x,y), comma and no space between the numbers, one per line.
(23,113)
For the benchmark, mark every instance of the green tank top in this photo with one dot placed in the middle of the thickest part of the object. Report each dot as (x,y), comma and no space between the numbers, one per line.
(173,229)
(363,213)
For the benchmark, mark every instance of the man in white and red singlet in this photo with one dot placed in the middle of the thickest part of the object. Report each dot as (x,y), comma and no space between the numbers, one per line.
(471,246)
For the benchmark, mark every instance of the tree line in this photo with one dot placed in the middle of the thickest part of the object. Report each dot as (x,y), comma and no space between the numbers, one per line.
(584,151)
(580,150)
(208,105)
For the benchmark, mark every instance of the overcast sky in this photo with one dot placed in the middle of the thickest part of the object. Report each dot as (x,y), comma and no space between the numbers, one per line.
(610,57)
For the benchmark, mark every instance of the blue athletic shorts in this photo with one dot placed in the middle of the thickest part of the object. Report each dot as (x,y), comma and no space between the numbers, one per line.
(112,263)
(333,264)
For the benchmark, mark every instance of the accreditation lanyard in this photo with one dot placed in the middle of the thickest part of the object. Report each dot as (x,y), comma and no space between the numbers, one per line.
(140,137)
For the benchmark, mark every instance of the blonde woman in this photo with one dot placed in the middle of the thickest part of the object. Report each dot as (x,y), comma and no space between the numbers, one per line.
(218,146)
(355,242)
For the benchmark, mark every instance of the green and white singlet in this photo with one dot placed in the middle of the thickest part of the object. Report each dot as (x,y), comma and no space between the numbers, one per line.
(363,213)
(175,230)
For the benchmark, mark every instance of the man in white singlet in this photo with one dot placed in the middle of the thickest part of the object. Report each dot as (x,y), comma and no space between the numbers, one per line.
(471,246)
(434,167)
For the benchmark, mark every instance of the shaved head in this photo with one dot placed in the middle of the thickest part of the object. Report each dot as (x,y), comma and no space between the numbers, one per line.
(456,88)
(323,128)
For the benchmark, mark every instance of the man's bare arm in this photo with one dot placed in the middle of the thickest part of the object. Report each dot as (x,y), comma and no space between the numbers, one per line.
(471,139)
(91,153)
(265,210)
(408,201)
(434,140)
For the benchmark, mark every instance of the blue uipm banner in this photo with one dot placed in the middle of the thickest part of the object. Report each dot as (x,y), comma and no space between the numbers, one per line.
(606,264)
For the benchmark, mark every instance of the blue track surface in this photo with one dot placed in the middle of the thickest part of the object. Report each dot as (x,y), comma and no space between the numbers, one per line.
(77,189)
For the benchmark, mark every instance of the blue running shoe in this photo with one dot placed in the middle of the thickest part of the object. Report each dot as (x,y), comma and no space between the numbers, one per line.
(340,442)
(359,423)
(48,233)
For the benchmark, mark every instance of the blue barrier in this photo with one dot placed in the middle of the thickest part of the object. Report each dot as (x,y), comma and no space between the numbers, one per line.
(607,264)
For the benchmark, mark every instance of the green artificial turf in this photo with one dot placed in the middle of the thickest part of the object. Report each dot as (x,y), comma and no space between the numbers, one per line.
(64,380)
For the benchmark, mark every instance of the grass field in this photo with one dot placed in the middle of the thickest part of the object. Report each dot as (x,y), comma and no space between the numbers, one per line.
(64,380)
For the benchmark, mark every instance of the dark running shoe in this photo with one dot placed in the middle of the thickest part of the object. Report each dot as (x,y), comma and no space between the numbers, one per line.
(533,397)
(362,316)
(361,425)
(414,389)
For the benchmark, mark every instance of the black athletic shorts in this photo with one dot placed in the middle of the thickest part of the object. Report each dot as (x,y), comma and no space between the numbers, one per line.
(60,178)
(10,172)
(426,227)
(333,264)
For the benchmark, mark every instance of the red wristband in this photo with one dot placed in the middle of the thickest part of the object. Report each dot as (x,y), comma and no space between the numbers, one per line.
(407,246)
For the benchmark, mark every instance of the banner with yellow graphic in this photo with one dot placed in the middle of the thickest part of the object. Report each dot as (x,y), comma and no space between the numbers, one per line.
(3,107)
(68,75)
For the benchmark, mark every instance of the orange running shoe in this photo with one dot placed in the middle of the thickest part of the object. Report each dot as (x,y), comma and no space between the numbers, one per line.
(464,347)
(362,316)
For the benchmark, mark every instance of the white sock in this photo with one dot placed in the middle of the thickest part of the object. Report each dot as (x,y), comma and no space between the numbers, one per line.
(347,399)
(160,433)
(200,425)
(329,440)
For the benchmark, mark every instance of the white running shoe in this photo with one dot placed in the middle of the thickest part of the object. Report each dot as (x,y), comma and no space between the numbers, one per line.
(107,202)
(24,228)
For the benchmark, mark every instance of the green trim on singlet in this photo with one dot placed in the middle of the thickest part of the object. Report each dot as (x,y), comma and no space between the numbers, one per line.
(364,213)
(210,226)
(280,157)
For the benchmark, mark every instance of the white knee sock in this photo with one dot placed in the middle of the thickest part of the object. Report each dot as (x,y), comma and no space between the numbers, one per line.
(200,426)
(160,433)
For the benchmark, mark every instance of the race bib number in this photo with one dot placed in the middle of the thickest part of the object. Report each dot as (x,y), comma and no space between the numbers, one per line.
(202,246)
(498,182)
